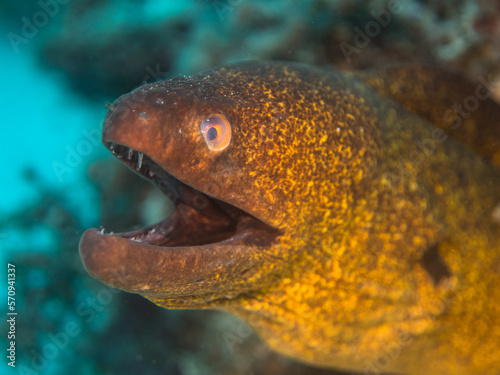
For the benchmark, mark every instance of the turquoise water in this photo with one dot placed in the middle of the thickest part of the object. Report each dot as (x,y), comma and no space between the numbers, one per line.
(40,115)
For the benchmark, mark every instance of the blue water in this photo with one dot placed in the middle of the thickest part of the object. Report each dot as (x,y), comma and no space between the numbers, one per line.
(44,125)
(42,122)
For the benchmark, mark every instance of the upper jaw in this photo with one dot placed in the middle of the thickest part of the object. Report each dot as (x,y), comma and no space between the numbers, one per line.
(185,254)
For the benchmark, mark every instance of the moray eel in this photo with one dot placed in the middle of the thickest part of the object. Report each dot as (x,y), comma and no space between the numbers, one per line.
(351,218)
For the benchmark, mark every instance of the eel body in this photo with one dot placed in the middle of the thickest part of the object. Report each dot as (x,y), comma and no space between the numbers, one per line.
(353,219)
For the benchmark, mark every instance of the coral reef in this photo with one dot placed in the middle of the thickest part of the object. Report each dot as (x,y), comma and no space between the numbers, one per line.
(106,57)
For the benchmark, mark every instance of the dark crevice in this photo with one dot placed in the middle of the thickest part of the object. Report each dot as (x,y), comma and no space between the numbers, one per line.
(435,265)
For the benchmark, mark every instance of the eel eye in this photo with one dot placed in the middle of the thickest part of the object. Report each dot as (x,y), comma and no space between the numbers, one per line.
(216,131)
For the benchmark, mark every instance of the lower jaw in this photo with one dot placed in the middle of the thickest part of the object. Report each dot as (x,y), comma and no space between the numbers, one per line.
(171,272)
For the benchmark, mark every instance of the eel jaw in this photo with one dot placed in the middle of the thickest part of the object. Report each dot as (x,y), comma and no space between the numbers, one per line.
(183,255)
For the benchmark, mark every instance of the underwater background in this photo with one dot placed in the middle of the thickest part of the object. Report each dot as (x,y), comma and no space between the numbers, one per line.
(62,60)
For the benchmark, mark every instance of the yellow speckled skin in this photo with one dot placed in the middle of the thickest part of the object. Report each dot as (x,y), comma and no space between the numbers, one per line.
(368,199)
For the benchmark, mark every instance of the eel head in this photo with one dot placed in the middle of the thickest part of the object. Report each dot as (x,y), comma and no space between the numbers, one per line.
(187,141)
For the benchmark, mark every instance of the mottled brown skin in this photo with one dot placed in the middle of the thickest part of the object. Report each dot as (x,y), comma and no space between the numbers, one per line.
(387,255)
(464,111)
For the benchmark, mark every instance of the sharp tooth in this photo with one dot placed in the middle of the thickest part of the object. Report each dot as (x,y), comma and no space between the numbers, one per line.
(151,173)
(102,230)
(130,154)
(139,160)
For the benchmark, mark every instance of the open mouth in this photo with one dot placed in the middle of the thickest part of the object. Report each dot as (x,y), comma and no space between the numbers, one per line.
(198,219)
